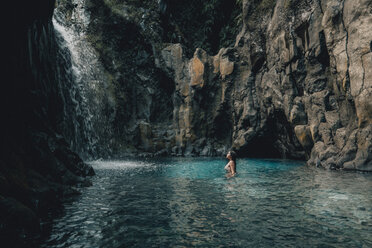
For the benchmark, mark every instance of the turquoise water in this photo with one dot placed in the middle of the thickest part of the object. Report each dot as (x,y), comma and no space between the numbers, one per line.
(189,202)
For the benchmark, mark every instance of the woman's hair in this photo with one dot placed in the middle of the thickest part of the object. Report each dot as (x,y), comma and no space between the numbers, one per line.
(233,156)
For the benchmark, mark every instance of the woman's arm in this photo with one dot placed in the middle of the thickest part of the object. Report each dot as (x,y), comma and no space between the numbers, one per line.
(232,168)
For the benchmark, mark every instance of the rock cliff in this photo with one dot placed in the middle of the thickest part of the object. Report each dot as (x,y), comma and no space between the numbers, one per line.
(297,83)
(288,79)
(37,166)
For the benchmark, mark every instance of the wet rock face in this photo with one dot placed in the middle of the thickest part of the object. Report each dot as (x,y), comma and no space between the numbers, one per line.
(125,35)
(37,166)
(296,83)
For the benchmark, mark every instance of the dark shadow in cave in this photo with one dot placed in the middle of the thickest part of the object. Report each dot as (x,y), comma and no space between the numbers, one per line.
(260,147)
(162,107)
(276,140)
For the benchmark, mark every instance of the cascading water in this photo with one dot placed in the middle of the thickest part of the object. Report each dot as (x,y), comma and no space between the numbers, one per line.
(84,89)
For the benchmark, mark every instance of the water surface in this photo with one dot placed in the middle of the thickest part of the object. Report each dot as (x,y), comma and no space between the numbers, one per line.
(188,202)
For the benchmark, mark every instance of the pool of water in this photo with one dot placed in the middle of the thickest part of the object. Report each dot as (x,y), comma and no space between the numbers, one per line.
(189,202)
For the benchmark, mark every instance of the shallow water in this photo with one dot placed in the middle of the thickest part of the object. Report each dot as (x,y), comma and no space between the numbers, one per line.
(188,202)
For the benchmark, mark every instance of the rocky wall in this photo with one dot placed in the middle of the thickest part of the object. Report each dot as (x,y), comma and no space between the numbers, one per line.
(37,166)
(297,84)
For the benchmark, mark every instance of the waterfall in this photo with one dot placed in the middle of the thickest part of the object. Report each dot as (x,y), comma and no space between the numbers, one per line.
(84,88)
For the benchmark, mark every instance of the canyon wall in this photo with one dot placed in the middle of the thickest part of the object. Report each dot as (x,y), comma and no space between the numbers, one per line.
(297,83)
(284,79)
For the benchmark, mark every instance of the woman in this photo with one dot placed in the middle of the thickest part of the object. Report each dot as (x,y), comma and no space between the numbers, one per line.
(231,165)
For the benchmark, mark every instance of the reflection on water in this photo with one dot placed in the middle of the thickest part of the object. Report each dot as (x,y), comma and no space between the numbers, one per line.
(189,202)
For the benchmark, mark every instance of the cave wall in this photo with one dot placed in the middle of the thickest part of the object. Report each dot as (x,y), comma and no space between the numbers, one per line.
(285,79)
(125,34)
(37,166)
(129,37)
(296,84)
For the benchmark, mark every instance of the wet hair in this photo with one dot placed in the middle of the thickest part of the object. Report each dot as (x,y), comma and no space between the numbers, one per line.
(233,156)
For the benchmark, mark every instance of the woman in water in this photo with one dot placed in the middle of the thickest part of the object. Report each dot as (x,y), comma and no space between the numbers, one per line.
(231,165)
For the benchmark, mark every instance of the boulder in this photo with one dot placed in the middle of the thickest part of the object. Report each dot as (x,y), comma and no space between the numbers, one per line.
(303,135)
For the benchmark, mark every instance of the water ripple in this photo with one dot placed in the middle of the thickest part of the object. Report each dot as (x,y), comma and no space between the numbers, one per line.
(190,203)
